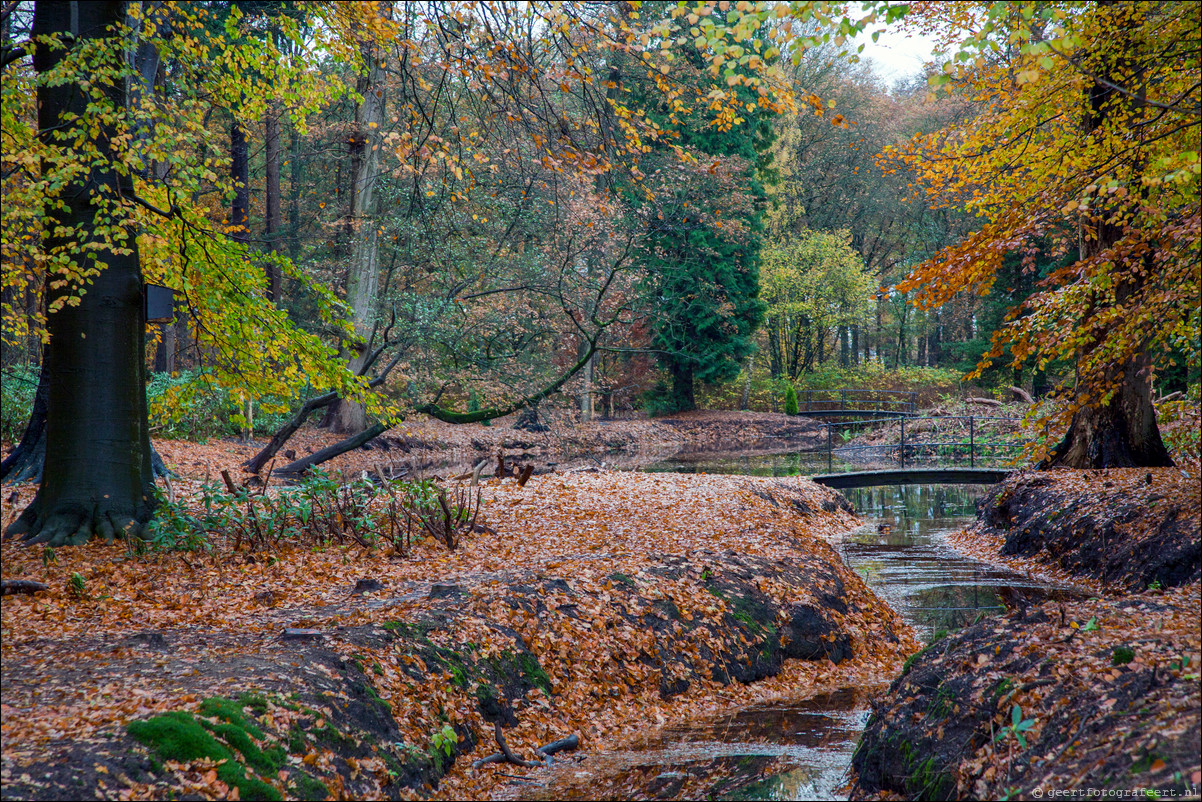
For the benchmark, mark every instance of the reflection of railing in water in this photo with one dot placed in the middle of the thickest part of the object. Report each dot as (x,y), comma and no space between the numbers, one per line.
(912,451)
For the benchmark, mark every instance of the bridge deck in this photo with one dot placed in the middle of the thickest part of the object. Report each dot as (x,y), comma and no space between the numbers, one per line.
(917,476)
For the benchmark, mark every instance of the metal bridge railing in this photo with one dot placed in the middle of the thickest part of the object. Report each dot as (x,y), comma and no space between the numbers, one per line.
(925,451)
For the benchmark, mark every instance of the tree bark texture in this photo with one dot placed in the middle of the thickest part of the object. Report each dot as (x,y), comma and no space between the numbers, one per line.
(97,477)
(1121,433)
(363,275)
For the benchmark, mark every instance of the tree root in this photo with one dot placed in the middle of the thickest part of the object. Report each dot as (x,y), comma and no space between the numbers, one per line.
(545,751)
(71,526)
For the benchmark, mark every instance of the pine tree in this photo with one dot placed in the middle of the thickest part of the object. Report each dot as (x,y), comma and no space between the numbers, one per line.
(791,401)
(704,254)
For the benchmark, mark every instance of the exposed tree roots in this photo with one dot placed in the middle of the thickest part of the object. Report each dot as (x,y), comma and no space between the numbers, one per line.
(70,525)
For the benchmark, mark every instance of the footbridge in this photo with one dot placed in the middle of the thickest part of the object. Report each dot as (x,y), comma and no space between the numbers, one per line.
(945,449)
(912,476)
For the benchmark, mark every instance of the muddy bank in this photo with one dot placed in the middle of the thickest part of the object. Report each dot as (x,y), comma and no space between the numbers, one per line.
(603,603)
(1126,528)
(1101,694)
(1095,694)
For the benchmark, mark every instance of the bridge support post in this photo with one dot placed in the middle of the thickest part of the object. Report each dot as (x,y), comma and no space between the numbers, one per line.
(972,457)
(829,450)
(902,451)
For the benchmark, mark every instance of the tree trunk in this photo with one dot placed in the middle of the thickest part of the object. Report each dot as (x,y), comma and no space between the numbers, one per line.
(844,355)
(273,220)
(683,399)
(745,399)
(240,172)
(294,179)
(363,276)
(26,459)
(855,344)
(934,350)
(1121,433)
(164,357)
(775,351)
(97,477)
(586,389)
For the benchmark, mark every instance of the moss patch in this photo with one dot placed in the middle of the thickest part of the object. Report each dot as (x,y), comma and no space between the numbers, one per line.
(181,737)
(305,787)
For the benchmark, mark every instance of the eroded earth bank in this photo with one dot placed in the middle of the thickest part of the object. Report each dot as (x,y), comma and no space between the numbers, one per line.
(1097,697)
(590,604)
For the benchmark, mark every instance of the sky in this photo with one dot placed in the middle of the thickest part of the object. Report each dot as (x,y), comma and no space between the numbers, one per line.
(896,55)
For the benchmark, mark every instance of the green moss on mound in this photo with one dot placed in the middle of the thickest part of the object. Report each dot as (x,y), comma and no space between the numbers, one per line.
(182,737)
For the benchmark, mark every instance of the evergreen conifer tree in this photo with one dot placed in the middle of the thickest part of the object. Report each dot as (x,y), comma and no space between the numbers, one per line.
(704,277)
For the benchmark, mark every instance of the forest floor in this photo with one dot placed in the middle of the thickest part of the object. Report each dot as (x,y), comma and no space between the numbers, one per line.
(602,605)
(424,445)
(1092,698)
(594,604)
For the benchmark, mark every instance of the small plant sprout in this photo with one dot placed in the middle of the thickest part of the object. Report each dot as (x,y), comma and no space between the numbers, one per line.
(77,586)
(1017,727)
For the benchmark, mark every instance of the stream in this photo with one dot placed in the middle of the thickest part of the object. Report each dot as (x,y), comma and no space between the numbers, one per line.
(803,749)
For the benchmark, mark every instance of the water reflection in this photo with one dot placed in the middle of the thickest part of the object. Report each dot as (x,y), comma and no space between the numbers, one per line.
(789,464)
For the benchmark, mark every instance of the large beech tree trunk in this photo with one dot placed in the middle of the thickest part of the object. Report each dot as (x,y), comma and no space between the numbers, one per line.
(1120,434)
(1123,432)
(97,477)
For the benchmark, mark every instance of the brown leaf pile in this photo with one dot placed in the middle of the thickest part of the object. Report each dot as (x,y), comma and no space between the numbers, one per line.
(76,666)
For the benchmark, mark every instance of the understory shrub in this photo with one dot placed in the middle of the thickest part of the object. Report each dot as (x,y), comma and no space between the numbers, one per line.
(1178,420)
(18,385)
(187,405)
(767,393)
(320,510)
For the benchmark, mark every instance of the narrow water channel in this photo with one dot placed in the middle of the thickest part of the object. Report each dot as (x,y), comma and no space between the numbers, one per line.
(803,749)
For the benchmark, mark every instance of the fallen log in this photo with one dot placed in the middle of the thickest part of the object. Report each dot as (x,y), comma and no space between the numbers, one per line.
(989,402)
(1021,395)
(8,586)
(563,744)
